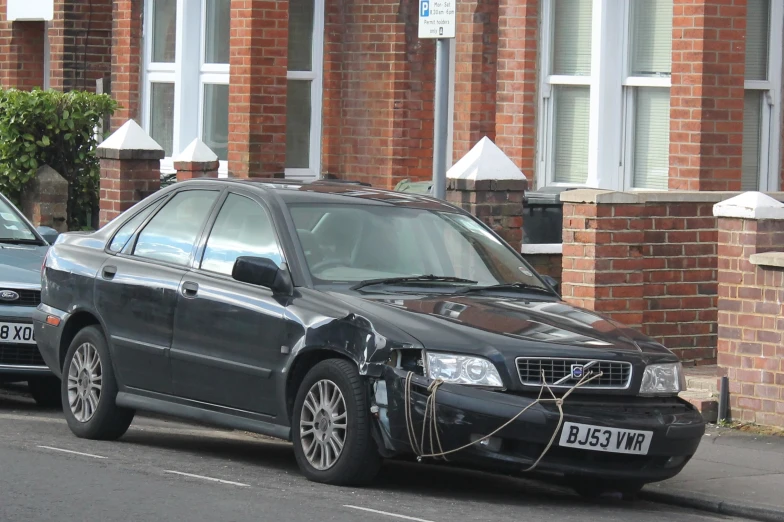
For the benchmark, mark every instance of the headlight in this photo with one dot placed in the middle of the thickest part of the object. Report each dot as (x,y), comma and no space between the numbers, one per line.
(463,369)
(663,379)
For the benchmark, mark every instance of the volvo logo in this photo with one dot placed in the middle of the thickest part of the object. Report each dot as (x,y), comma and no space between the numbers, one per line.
(8,295)
(578,370)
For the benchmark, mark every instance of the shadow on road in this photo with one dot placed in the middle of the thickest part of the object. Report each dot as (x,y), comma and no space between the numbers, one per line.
(15,397)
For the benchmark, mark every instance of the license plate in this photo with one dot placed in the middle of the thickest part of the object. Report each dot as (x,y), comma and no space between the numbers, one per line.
(16,333)
(611,440)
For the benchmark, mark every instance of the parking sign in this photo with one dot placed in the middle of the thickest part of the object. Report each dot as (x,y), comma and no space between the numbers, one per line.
(437,18)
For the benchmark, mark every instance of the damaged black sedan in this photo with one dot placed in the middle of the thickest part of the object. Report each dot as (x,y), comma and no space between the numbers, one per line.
(360,324)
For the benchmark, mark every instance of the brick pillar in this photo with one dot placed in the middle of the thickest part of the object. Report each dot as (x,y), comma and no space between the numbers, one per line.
(516,105)
(257,91)
(45,199)
(499,203)
(751,313)
(196,161)
(130,169)
(126,59)
(476,58)
(706,97)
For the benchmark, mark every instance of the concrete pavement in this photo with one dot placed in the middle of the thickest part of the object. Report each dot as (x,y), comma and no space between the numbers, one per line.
(734,473)
(163,470)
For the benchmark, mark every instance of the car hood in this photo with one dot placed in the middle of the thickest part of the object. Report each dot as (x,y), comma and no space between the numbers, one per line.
(21,264)
(514,326)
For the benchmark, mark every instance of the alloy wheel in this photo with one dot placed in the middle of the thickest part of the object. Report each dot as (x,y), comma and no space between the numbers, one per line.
(323,423)
(84,382)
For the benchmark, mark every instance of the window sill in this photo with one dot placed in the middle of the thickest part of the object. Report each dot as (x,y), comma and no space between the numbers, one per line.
(768,259)
(541,248)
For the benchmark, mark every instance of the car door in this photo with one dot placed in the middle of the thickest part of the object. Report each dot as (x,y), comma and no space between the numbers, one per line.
(228,334)
(136,289)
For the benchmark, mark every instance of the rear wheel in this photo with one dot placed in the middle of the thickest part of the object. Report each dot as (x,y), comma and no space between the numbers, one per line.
(331,426)
(45,391)
(89,389)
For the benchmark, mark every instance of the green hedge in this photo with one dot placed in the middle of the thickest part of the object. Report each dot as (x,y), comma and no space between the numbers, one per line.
(58,129)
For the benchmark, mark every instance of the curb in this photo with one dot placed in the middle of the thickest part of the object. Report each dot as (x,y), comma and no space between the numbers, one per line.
(715,505)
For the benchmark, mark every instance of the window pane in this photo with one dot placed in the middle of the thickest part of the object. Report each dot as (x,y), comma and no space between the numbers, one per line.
(651,37)
(301,35)
(757,35)
(171,234)
(570,153)
(216,119)
(162,115)
(752,125)
(572,37)
(164,30)
(242,228)
(652,138)
(218,21)
(298,114)
(127,230)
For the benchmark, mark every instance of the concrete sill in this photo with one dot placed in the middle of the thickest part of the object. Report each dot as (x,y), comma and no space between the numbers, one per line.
(775,259)
(541,248)
(639,197)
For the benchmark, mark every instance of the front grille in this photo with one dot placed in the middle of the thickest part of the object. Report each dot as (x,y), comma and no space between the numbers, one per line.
(20,355)
(615,375)
(26,298)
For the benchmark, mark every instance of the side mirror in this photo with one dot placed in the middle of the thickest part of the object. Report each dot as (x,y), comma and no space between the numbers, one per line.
(49,234)
(552,283)
(264,272)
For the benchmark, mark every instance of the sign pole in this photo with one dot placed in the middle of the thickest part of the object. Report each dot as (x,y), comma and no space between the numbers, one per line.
(441,117)
(437,20)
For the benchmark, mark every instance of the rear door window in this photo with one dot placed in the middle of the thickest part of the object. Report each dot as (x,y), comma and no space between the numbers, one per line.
(242,228)
(171,235)
(127,230)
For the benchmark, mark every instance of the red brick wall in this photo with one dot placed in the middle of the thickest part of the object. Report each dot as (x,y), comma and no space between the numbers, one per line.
(546,264)
(751,320)
(80,39)
(517,77)
(706,104)
(649,266)
(257,91)
(21,52)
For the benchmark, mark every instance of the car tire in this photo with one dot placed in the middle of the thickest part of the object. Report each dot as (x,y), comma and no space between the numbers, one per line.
(95,416)
(594,489)
(358,461)
(45,391)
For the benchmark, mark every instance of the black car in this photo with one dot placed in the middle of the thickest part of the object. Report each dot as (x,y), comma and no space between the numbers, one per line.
(360,324)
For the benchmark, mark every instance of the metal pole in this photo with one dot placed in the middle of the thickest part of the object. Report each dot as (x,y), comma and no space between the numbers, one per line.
(441,117)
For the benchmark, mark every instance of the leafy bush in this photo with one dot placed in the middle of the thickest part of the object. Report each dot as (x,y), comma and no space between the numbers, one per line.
(56,129)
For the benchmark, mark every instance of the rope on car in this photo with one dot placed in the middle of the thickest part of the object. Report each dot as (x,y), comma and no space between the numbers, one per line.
(430,422)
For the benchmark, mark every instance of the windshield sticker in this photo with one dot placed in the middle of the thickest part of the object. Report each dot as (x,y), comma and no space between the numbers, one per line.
(11,227)
(9,217)
(525,271)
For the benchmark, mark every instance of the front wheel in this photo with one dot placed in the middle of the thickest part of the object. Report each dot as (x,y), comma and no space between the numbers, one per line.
(332,426)
(89,389)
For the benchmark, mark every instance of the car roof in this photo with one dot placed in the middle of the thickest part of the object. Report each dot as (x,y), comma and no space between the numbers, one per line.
(334,192)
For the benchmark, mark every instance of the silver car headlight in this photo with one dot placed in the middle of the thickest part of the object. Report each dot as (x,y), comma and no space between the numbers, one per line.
(663,379)
(463,369)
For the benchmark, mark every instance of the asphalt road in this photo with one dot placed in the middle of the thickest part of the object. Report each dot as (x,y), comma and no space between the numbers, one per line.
(163,470)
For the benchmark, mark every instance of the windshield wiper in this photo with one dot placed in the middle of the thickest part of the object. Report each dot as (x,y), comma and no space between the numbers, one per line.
(411,279)
(508,286)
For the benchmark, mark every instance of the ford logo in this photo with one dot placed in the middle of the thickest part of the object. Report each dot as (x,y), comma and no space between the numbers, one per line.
(8,295)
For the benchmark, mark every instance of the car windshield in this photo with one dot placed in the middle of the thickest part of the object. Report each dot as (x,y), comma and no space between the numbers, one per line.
(12,227)
(365,242)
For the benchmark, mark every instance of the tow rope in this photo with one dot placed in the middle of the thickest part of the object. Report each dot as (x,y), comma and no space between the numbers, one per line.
(430,421)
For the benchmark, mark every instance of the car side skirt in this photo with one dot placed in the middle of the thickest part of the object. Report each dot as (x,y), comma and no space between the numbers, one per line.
(202,412)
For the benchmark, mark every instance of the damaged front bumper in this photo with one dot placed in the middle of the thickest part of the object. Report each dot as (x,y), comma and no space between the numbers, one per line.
(466,414)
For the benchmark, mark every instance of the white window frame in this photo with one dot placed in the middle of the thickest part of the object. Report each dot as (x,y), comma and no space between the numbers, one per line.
(770,116)
(188,73)
(316,78)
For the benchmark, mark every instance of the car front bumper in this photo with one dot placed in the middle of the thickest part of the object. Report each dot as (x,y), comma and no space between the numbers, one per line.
(48,336)
(466,414)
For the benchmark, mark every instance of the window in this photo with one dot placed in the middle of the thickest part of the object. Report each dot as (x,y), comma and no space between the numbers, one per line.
(304,88)
(605,94)
(761,113)
(127,230)
(170,236)
(187,75)
(242,228)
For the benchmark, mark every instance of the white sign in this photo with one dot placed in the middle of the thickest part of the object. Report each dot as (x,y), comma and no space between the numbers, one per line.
(26,10)
(437,18)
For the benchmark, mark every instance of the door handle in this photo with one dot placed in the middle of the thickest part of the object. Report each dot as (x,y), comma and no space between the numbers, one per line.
(190,289)
(109,272)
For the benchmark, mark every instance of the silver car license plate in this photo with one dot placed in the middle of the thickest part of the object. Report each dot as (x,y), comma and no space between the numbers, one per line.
(600,438)
(16,333)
